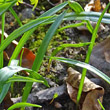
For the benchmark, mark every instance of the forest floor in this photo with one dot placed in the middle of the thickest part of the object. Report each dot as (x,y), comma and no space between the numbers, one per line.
(58,71)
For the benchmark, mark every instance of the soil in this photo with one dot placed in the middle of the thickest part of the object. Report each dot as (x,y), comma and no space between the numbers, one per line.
(58,70)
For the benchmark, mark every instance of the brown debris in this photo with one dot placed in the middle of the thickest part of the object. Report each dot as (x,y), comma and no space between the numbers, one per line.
(91,92)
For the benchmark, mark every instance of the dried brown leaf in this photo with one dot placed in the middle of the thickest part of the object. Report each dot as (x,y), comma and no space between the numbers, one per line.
(27,57)
(93,5)
(91,92)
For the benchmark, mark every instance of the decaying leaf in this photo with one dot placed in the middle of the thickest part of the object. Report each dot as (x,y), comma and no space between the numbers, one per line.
(27,57)
(7,102)
(101,53)
(91,92)
(100,58)
(93,5)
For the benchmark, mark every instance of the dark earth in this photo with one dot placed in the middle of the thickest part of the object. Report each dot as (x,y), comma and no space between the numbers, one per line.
(58,71)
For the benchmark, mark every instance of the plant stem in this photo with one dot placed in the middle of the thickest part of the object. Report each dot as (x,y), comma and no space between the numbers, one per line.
(15,15)
(2,38)
(94,35)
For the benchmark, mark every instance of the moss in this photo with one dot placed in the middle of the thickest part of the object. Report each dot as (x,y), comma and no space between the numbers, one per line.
(36,39)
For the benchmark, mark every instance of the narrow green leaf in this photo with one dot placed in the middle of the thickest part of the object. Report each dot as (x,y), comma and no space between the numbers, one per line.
(2,39)
(54,10)
(61,47)
(84,65)
(45,42)
(72,26)
(21,30)
(5,6)
(15,15)
(90,16)
(22,104)
(23,79)
(78,9)
(101,105)
(75,6)
(89,54)
(26,36)
(9,71)
(42,51)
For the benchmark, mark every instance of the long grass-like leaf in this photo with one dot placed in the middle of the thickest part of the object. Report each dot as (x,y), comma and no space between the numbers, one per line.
(21,30)
(42,50)
(54,10)
(45,42)
(90,16)
(83,65)
(2,38)
(9,71)
(5,6)
(23,79)
(27,34)
(22,104)
(15,15)
(101,104)
(72,26)
(89,53)
(61,47)
(75,6)
(78,9)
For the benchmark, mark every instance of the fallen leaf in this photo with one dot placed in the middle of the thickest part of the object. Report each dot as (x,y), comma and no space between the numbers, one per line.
(93,5)
(100,58)
(91,92)
(27,56)
(7,102)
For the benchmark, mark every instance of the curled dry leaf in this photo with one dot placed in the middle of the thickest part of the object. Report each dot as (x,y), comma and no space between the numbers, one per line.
(91,92)
(93,5)
(27,56)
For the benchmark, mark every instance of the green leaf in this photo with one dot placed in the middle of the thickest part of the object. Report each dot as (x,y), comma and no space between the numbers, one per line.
(54,9)
(94,34)
(101,104)
(90,16)
(8,72)
(72,26)
(23,79)
(45,42)
(42,50)
(83,65)
(26,36)
(34,2)
(5,6)
(15,15)
(75,6)
(61,47)
(55,96)
(21,30)
(22,104)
